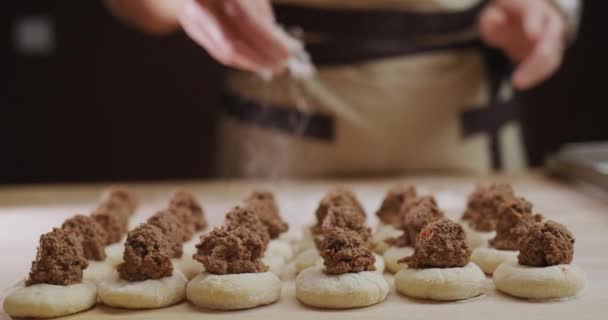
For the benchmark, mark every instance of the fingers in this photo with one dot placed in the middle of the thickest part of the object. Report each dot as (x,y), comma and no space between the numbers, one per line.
(530,32)
(205,29)
(237,33)
(254,21)
(533,21)
(545,58)
(493,26)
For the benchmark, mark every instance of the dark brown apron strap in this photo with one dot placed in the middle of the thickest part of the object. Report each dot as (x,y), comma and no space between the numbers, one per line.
(355,36)
(371,24)
(496,114)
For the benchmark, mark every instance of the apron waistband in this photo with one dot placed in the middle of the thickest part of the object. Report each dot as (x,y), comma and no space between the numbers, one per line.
(355,36)
(361,24)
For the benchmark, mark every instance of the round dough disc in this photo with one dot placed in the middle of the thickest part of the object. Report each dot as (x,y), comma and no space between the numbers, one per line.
(48,301)
(188,266)
(306,242)
(307,259)
(148,294)
(350,290)
(383,232)
(98,271)
(275,264)
(279,248)
(234,291)
(290,237)
(476,238)
(441,284)
(488,259)
(393,255)
(554,282)
(114,252)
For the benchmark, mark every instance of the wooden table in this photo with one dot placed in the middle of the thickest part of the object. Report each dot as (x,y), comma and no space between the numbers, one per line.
(28,211)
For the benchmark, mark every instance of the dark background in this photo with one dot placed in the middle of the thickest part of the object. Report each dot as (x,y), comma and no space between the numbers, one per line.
(110,103)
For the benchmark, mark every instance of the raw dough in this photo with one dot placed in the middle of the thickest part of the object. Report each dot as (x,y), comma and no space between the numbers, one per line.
(48,301)
(393,254)
(476,238)
(348,290)
(290,237)
(148,294)
(441,284)
(379,264)
(234,291)
(98,271)
(114,252)
(307,259)
(488,259)
(554,282)
(275,264)
(307,242)
(279,248)
(383,232)
(188,266)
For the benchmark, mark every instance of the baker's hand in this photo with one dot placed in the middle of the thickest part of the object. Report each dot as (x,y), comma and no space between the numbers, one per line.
(238,33)
(531,32)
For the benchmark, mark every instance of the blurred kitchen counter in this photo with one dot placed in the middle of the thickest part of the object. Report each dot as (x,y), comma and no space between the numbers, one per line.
(28,211)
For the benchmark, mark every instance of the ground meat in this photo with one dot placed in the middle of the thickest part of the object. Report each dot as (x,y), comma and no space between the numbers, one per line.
(91,234)
(389,212)
(337,197)
(184,217)
(514,219)
(264,204)
(441,244)
(224,251)
(546,244)
(184,199)
(245,217)
(170,225)
(484,204)
(345,217)
(114,224)
(122,198)
(418,213)
(60,259)
(147,255)
(415,215)
(344,251)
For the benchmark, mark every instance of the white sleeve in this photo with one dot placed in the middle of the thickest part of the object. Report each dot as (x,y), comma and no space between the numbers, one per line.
(572,11)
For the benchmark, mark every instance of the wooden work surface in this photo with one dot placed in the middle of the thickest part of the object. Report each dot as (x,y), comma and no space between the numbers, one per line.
(26,212)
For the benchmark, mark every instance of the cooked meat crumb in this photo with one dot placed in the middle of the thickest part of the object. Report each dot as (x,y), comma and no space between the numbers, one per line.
(170,225)
(120,197)
(264,204)
(390,210)
(546,244)
(416,214)
(484,204)
(231,251)
(344,251)
(59,261)
(345,217)
(186,200)
(337,197)
(514,219)
(441,244)
(114,224)
(147,255)
(245,217)
(91,234)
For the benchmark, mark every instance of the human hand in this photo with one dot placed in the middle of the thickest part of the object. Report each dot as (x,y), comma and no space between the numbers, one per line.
(238,33)
(531,33)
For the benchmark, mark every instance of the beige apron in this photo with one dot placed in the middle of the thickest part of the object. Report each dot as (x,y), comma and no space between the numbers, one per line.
(392,115)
